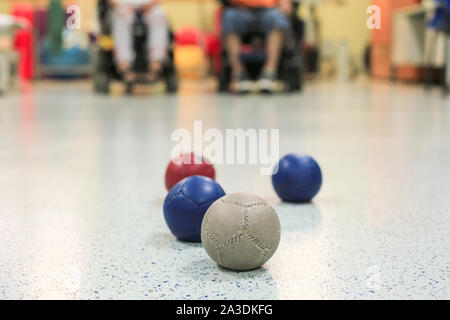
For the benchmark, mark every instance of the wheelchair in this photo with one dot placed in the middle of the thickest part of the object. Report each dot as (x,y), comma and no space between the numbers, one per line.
(291,65)
(105,69)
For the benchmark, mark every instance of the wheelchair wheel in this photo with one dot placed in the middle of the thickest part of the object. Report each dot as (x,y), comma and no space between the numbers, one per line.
(171,83)
(293,75)
(129,88)
(294,82)
(101,83)
(224,79)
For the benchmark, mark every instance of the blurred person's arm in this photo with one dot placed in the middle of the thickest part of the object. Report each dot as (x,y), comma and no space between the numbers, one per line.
(285,6)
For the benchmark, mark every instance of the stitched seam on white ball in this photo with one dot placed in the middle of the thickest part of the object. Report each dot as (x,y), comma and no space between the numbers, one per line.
(245,205)
(272,244)
(230,242)
(244,226)
(261,260)
(233,202)
(233,239)
(257,242)
(244,233)
(216,203)
(212,238)
(256,204)
(246,222)
(215,243)
(248,235)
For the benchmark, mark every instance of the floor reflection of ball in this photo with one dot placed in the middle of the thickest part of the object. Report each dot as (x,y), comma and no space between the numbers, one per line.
(240,231)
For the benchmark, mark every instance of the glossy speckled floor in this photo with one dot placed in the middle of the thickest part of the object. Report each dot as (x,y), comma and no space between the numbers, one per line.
(81,192)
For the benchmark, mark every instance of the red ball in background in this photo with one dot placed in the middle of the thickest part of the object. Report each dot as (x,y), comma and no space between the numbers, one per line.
(184,166)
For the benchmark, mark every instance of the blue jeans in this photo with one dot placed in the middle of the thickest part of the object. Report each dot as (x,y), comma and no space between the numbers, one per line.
(239,20)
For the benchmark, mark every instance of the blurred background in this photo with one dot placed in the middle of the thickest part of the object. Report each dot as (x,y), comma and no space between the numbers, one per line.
(364,90)
(336,41)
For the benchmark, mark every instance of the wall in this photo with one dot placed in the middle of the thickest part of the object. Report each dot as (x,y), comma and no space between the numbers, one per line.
(194,13)
(182,13)
(339,20)
(346,21)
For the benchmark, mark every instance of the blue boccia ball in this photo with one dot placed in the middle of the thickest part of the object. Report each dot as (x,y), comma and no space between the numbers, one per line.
(298,179)
(186,204)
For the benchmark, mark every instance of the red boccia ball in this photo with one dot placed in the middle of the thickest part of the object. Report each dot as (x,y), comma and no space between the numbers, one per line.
(184,166)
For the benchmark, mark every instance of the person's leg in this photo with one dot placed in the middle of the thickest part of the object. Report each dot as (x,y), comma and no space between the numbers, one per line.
(158,43)
(274,46)
(233,45)
(235,22)
(274,24)
(122,36)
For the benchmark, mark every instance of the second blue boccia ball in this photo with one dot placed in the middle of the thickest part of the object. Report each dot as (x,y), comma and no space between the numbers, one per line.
(297,178)
(186,204)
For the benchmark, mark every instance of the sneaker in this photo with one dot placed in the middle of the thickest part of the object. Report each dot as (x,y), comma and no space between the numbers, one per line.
(242,84)
(267,82)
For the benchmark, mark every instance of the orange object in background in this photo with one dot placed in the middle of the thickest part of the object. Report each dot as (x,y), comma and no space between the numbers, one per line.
(409,73)
(190,61)
(23,41)
(381,43)
(190,53)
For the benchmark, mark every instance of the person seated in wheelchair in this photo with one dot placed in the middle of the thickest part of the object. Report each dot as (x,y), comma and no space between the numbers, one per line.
(125,13)
(270,18)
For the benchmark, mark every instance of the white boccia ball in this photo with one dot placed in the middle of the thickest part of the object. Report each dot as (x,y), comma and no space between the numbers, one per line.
(240,231)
